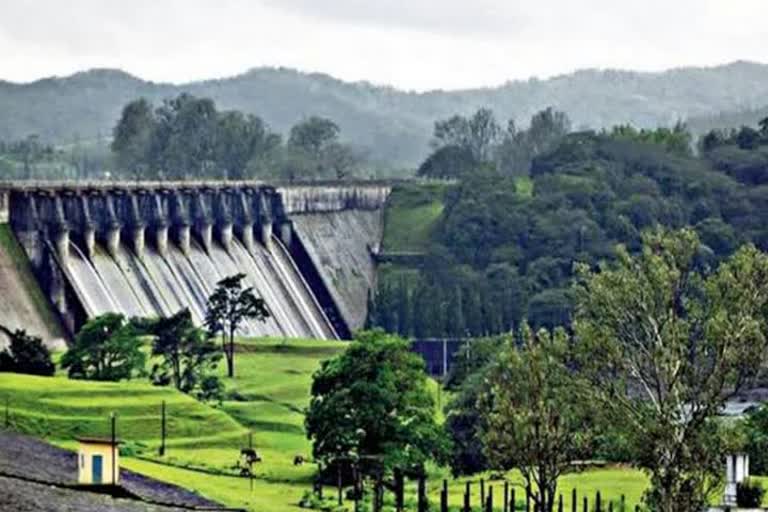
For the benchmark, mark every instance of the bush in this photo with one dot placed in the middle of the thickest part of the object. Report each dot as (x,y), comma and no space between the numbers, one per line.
(749,493)
(26,354)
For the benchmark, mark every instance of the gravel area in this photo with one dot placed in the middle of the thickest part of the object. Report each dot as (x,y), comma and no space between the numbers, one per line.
(29,458)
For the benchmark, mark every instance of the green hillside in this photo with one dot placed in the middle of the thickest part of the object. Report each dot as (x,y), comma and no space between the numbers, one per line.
(267,397)
(394,125)
(411,215)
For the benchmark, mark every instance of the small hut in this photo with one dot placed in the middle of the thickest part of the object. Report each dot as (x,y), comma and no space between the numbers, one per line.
(98,461)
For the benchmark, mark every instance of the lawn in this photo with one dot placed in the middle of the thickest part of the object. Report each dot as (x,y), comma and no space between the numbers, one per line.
(410,216)
(267,397)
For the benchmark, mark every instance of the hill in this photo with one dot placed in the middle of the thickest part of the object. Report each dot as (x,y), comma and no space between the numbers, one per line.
(394,125)
(267,398)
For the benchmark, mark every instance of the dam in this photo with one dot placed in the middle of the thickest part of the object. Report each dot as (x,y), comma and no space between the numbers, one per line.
(151,249)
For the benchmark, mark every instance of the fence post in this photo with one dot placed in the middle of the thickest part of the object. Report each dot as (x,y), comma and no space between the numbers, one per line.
(422,494)
(489,508)
(560,503)
(512,499)
(399,485)
(574,500)
(586,504)
(610,506)
(444,497)
(622,504)
(162,429)
(356,490)
(482,493)
(528,498)
(338,480)
(598,504)
(466,499)
(378,494)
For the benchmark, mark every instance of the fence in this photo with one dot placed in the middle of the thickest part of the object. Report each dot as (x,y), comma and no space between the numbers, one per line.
(479,497)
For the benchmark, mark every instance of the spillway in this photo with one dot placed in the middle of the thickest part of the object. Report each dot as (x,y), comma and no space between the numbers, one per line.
(153,285)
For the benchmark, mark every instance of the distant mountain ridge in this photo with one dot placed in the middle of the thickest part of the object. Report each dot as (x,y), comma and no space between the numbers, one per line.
(394,125)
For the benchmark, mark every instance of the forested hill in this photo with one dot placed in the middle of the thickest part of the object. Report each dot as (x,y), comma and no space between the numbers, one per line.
(394,125)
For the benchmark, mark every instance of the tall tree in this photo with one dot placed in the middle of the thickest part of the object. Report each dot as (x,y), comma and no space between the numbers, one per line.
(188,355)
(665,345)
(313,135)
(535,413)
(228,307)
(372,401)
(185,137)
(477,134)
(106,348)
(132,137)
(239,138)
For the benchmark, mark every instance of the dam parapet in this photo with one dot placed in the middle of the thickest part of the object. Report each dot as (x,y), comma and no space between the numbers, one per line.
(149,249)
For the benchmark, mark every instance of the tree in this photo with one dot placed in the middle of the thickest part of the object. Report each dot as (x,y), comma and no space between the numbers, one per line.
(132,137)
(185,137)
(748,138)
(763,124)
(341,159)
(467,378)
(25,354)
(478,134)
(372,402)
(239,138)
(313,135)
(228,307)
(665,344)
(448,162)
(535,413)
(106,348)
(188,355)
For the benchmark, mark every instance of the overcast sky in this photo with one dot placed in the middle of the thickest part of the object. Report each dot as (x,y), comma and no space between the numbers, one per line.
(412,44)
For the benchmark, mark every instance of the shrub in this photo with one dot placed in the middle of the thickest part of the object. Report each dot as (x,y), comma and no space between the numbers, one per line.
(749,493)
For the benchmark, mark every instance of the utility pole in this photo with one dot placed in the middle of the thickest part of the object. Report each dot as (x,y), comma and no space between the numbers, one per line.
(250,446)
(114,461)
(162,430)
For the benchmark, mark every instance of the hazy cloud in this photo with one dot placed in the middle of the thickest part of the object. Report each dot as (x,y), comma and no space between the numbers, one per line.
(480,18)
(417,44)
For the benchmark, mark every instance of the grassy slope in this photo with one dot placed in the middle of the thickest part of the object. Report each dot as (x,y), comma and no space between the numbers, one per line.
(271,389)
(410,217)
(10,246)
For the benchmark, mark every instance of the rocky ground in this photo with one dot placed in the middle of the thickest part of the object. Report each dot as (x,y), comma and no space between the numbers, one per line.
(34,477)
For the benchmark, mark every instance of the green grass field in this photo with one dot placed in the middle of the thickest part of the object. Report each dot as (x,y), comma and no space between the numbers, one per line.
(410,217)
(267,397)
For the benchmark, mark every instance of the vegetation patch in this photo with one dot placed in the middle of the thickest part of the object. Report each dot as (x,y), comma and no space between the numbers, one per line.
(411,214)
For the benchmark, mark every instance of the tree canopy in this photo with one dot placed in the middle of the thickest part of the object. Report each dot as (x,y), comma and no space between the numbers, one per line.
(25,354)
(106,348)
(372,403)
(665,340)
(228,307)
(504,244)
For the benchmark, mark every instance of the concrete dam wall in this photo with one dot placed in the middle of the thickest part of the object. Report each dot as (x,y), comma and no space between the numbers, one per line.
(153,249)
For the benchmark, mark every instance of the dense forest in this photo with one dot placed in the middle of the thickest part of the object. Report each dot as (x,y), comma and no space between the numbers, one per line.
(504,245)
(391,125)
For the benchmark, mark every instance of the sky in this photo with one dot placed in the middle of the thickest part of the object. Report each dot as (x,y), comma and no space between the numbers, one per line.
(410,44)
